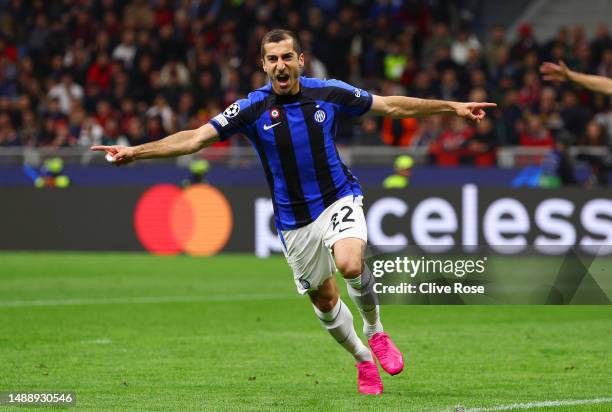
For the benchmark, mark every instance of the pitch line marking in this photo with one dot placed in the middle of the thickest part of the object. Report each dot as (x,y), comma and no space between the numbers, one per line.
(533,405)
(141,299)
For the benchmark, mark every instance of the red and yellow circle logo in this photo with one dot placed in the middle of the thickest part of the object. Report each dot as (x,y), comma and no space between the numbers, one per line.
(169,220)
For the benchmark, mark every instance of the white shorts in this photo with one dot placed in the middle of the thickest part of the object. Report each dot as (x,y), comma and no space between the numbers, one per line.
(308,249)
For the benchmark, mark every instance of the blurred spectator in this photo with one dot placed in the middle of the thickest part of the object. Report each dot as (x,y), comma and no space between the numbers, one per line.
(62,137)
(395,62)
(601,42)
(66,91)
(99,73)
(496,42)
(154,128)
(483,143)
(450,88)
(525,42)
(450,148)
(535,134)
(126,50)
(605,67)
(529,94)
(30,129)
(593,135)
(399,132)
(574,115)
(162,110)
(140,14)
(401,178)
(557,167)
(90,133)
(430,130)
(440,39)
(604,118)
(8,134)
(135,132)
(461,46)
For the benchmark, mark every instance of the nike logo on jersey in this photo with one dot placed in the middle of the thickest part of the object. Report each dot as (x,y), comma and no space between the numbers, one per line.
(269,126)
(346,228)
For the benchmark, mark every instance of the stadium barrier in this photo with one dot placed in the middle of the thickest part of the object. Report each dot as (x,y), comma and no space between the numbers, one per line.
(239,154)
(203,220)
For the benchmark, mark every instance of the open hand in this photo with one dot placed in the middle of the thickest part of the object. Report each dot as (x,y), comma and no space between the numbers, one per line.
(121,154)
(555,72)
(473,111)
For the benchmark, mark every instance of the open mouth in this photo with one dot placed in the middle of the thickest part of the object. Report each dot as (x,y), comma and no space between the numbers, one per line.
(283,80)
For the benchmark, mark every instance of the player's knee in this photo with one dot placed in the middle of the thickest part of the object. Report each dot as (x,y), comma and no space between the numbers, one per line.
(350,267)
(325,304)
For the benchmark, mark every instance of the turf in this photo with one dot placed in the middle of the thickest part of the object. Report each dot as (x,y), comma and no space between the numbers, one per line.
(139,332)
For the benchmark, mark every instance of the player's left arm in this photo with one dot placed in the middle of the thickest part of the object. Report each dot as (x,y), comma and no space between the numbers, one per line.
(402,106)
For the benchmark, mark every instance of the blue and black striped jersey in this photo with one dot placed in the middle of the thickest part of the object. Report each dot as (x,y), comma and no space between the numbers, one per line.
(294,137)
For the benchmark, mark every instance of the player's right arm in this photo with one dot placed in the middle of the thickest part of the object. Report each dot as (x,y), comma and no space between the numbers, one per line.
(560,72)
(177,144)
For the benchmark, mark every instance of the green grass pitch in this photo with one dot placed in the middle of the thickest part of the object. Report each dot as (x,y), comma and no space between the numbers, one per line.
(140,332)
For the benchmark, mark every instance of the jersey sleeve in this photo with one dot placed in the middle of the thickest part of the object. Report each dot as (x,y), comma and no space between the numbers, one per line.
(350,99)
(234,119)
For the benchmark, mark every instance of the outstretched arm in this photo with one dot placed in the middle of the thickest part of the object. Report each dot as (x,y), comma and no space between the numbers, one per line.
(561,72)
(178,144)
(401,106)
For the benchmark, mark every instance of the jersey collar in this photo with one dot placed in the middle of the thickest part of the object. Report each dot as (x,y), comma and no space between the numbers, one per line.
(288,98)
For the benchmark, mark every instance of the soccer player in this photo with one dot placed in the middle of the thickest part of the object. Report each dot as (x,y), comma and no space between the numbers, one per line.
(317,201)
(560,72)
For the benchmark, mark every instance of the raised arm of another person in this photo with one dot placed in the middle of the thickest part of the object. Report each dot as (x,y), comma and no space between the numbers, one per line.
(560,72)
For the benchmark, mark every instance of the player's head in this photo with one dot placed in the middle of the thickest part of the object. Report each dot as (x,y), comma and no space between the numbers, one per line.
(282,59)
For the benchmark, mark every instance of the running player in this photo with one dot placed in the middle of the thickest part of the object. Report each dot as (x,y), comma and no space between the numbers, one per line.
(317,201)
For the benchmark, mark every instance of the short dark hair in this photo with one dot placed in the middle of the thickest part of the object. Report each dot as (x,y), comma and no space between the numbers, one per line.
(277,35)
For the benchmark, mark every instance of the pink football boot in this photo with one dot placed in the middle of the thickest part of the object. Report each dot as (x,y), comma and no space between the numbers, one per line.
(368,378)
(387,353)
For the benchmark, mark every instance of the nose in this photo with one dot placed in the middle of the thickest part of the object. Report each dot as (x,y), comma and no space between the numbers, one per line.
(280,65)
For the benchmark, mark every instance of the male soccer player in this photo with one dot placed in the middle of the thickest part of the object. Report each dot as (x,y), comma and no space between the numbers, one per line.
(317,201)
(560,72)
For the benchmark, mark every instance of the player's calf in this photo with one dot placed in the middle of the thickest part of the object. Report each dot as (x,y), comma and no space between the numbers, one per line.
(337,319)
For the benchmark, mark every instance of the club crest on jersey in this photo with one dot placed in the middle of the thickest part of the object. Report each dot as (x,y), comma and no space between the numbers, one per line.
(305,284)
(357,92)
(319,116)
(232,110)
(274,113)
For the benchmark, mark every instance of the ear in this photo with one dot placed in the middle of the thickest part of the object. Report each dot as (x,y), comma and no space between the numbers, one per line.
(301,60)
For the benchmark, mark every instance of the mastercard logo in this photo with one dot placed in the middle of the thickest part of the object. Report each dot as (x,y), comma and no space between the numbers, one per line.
(169,220)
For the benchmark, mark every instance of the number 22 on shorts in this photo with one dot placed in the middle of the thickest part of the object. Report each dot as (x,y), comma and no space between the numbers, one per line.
(346,218)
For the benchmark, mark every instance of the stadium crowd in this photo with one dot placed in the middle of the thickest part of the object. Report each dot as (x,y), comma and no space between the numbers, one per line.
(83,72)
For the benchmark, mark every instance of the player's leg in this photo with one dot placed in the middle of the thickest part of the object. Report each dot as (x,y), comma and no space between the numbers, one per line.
(337,319)
(347,235)
(348,253)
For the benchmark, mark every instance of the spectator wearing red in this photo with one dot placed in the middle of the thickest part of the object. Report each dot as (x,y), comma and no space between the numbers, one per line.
(451,146)
(100,73)
(482,145)
(529,94)
(104,112)
(535,134)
